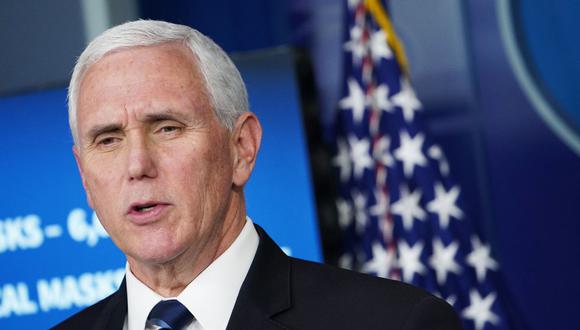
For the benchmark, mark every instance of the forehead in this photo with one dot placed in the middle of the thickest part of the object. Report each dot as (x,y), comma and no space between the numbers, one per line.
(138,78)
(144,62)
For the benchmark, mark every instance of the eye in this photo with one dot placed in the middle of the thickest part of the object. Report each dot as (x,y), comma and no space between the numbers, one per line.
(169,129)
(107,141)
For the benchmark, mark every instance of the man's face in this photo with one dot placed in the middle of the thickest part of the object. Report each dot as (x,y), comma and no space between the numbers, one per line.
(156,162)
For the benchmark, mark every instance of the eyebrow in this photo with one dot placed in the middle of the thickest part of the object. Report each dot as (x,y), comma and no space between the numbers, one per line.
(101,129)
(160,116)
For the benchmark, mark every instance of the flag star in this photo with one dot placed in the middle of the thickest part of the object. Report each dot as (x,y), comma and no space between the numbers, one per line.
(436,153)
(444,204)
(381,151)
(407,207)
(360,155)
(379,46)
(479,309)
(409,152)
(344,213)
(380,98)
(345,261)
(356,44)
(451,300)
(355,100)
(381,262)
(360,215)
(407,100)
(342,160)
(410,260)
(480,258)
(353,3)
(382,206)
(443,260)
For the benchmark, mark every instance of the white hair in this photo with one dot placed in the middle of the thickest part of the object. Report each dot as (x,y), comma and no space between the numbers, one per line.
(223,80)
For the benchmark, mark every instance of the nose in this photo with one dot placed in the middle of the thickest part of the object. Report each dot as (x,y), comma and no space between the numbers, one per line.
(141,162)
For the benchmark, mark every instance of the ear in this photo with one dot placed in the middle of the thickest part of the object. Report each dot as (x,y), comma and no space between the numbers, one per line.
(76,153)
(246,138)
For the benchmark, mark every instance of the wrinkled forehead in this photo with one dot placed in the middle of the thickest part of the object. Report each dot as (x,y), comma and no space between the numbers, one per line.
(141,77)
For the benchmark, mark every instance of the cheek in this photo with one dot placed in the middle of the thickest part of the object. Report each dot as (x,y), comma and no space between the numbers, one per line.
(103,169)
(198,176)
(102,186)
(184,162)
(99,180)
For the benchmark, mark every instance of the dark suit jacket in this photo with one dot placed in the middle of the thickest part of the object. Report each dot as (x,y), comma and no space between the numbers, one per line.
(280,292)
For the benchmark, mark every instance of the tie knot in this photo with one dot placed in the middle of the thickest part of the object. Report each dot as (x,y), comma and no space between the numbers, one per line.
(169,314)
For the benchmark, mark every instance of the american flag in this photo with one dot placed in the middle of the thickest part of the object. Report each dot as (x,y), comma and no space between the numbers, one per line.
(398,206)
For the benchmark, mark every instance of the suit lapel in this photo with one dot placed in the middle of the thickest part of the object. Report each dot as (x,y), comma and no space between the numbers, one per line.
(264,293)
(113,315)
(266,288)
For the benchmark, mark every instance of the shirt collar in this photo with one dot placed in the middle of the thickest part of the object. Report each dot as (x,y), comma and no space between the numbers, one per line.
(211,296)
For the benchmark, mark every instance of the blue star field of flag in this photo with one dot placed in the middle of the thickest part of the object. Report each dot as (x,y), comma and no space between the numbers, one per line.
(398,206)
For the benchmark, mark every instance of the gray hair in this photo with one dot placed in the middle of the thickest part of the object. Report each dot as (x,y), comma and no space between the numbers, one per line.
(222,79)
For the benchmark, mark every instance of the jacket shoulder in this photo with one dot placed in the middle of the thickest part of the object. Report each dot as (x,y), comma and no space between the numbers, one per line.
(353,300)
(85,318)
(352,283)
(107,313)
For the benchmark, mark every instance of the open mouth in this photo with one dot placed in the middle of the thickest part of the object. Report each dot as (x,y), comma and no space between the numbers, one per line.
(146,212)
(140,208)
(144,208)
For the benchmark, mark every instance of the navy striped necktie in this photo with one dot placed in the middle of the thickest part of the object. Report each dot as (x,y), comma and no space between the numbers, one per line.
(169,314)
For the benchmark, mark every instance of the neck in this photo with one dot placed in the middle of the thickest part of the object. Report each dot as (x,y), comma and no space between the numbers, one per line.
(169,279)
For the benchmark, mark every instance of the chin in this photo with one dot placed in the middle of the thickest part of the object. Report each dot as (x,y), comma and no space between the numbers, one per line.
(156,253)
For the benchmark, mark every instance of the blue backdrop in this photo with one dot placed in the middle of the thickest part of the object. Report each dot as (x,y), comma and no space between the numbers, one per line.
(533,171)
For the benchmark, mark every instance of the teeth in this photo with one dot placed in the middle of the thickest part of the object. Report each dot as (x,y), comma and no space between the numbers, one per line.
(145,208)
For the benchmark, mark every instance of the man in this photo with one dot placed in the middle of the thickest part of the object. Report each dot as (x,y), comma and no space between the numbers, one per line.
(165,143)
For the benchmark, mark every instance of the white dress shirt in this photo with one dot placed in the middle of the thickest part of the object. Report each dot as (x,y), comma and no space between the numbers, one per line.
(210,297)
